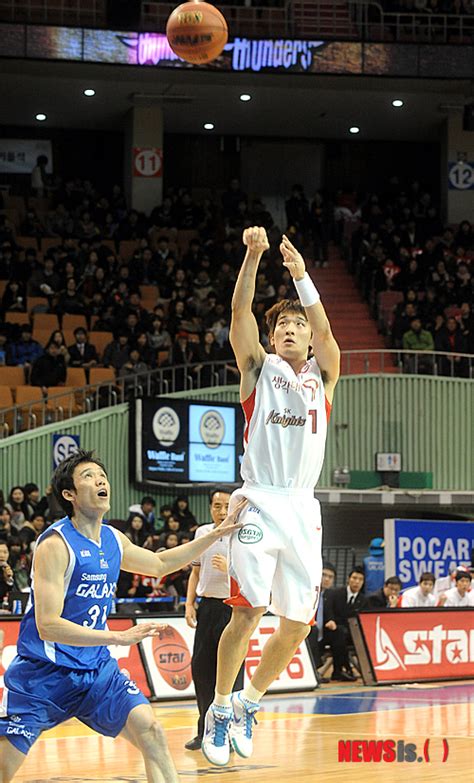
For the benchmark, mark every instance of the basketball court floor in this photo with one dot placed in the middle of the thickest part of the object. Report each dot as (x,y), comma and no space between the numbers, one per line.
(298,738)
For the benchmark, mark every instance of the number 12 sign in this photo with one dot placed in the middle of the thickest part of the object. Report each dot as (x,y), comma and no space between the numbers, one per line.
(461,175)
(147,162)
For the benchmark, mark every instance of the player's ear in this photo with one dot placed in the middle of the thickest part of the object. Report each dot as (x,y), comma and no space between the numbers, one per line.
(67,494)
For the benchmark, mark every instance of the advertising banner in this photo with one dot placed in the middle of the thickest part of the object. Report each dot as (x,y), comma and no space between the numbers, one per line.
(183,441)
(18,156)
(263,55)
(128,658)
(413,546)
(415,645)
(165,672)
(168,659)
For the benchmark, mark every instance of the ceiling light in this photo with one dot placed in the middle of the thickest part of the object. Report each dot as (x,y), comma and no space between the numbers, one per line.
(89,92)
(245,97)
(397,103)
(40,117)
(208,126)
(354,129)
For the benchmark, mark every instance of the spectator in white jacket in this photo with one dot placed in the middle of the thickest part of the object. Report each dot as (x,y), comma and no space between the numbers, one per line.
(420,596)
(461,595)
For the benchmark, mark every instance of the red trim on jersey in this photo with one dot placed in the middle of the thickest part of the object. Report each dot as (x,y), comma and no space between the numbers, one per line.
(328,407)
(236,597)
(248,406)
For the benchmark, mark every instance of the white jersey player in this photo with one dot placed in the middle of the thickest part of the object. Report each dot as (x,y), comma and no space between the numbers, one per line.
(461,594)
(275,560)
(420,596)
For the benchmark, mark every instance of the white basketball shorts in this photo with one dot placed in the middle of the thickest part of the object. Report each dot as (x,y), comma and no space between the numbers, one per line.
(275,558)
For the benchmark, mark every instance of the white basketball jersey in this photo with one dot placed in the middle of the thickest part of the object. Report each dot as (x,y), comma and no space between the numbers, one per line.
(286,424)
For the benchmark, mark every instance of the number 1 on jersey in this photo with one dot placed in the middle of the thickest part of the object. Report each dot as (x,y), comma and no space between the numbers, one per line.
(314,420)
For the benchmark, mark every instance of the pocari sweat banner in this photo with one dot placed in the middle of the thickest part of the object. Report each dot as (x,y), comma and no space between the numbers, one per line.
(413,546)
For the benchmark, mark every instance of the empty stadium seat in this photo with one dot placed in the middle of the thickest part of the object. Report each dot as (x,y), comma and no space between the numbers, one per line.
(62,402)
(72,322)
(45,321)
(76,376)
(12,376)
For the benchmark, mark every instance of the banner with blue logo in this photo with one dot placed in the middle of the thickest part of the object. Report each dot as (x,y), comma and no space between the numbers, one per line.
(413,546)
(64,446)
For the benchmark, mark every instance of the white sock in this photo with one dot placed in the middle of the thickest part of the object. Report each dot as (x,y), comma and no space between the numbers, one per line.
(252,694)
(222,700)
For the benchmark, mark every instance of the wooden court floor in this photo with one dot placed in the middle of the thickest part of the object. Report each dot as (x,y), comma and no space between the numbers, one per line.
(297,739)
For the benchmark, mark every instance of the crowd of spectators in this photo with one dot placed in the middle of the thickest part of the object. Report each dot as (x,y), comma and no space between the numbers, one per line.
(331,634)
(160,287)
(98,260)
(417,276)
(25,513)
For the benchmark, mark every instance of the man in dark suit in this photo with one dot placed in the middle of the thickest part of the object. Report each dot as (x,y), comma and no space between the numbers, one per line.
(82,353)
(317,638)
(387,596)
(342,603)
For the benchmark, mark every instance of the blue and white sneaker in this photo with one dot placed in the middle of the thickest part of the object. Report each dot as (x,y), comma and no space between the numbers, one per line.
(242,724)
(215,742)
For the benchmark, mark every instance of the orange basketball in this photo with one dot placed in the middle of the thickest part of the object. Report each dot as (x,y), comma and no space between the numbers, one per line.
(172,658)
(196,32)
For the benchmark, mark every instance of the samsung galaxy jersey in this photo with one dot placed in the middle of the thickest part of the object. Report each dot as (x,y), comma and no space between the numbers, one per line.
(90,583)
(286,425)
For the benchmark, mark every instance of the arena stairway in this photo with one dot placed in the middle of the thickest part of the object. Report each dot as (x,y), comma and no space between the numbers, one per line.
(350,318)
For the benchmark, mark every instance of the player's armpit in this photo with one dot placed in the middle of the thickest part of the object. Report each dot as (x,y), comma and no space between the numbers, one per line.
(244,339)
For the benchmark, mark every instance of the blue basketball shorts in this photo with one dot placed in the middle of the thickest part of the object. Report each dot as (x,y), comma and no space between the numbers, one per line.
(39,695)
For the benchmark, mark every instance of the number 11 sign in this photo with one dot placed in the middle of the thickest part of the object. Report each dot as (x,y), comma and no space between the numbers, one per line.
(147,162)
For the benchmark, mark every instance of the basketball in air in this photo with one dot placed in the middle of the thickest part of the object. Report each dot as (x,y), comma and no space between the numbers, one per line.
(196,32)
(172,658)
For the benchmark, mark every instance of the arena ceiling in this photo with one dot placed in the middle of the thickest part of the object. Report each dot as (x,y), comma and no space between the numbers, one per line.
(282,105)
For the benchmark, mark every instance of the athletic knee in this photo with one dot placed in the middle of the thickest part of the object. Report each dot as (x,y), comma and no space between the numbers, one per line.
(151,739)
(245,621)
(295,633)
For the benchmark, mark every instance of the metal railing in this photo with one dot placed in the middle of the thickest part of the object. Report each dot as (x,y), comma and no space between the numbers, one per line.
(70,402)
(389,360)
(63,12)
(244,19)
(189,377)
(373,23)
(356,20)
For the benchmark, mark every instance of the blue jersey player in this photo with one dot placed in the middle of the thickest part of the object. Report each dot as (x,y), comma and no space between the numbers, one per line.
(64,668)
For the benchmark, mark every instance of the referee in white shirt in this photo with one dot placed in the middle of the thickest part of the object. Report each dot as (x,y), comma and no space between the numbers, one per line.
(209,580)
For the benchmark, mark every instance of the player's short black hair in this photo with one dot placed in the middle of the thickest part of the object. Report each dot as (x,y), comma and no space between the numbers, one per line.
(462,575)
(285,306)
(357,569)
(215,490)
(427,576)
(62,476)
(329,567)
(393,580)
(148,499)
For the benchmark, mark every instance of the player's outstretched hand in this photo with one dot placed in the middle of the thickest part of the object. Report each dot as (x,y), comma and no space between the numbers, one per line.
(231,523)
(293,260)
(139,632)
(256,239)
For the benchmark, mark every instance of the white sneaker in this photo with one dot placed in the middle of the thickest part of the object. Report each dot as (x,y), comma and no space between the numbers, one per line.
(215,742)
(242,724)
